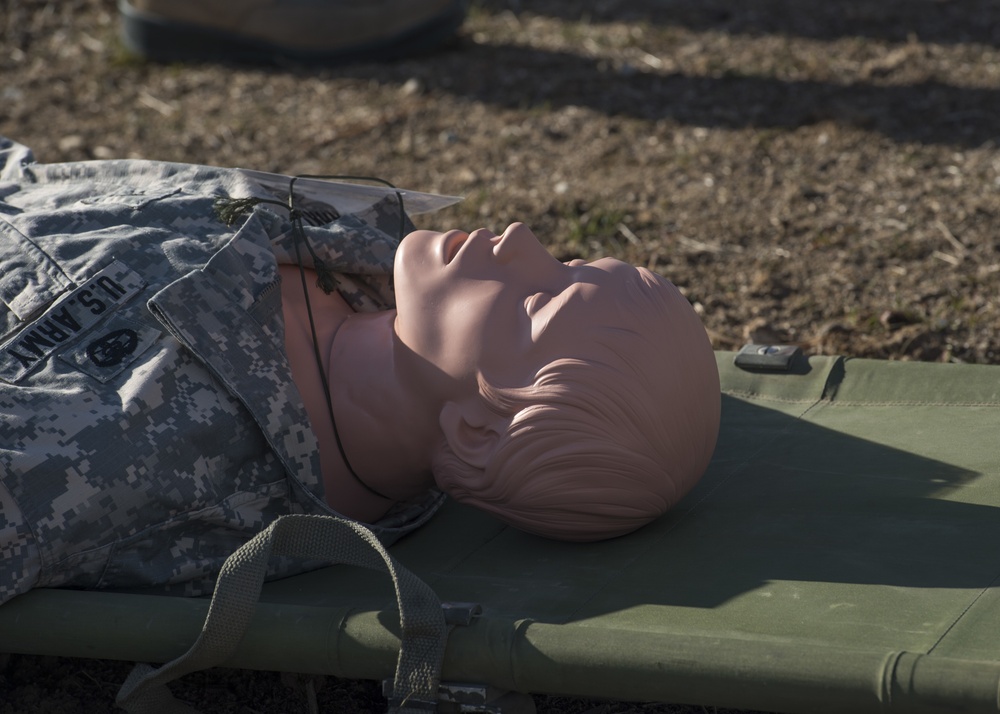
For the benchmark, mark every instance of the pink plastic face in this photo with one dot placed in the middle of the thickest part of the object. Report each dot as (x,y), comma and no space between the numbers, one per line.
(501,305)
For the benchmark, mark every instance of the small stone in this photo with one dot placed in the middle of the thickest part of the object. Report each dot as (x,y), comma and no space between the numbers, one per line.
(71,143)
(411,87)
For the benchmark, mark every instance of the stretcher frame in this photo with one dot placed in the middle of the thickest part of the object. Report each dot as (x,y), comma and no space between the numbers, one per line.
(840,554)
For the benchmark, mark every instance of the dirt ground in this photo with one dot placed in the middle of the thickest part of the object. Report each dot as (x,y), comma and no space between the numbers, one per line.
(824,174)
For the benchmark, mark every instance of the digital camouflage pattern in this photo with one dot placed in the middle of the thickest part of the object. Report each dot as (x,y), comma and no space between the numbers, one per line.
(148,420)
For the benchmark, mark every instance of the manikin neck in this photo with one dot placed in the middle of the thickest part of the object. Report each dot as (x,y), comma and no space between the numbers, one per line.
(371,403)
(389,427)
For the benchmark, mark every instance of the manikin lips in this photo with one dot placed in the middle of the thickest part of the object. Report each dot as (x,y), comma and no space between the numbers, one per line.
(453,242)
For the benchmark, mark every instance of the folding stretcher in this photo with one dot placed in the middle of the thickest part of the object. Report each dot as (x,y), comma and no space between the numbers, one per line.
(841,554)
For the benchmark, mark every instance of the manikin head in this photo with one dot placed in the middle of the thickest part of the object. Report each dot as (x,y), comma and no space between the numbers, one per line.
(578,401)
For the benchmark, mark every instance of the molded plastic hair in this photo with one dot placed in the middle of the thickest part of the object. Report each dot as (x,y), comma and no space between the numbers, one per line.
(597,448)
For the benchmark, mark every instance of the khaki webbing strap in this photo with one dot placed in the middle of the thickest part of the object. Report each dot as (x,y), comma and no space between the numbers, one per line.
(422,623)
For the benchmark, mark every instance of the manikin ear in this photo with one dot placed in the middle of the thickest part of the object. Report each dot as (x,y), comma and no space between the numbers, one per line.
(472,430)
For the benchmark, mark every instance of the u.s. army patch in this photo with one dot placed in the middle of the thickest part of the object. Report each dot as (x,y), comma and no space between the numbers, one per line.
(68,317)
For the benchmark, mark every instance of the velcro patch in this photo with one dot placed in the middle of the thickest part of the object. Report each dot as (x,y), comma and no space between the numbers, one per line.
(111,347)
(66,318)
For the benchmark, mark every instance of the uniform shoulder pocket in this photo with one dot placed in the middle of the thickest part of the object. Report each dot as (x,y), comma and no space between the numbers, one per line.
(29,279)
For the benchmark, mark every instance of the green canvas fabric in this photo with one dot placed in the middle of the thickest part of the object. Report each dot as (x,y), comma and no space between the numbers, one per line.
(839,555)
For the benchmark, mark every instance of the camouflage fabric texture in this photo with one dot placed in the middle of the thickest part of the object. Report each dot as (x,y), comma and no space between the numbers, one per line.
(149,424)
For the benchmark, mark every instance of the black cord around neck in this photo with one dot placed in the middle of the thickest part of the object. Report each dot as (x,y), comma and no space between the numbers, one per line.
(299,234)
(229,210)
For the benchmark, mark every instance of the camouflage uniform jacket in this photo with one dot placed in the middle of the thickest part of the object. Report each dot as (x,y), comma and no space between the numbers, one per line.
(149,424)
